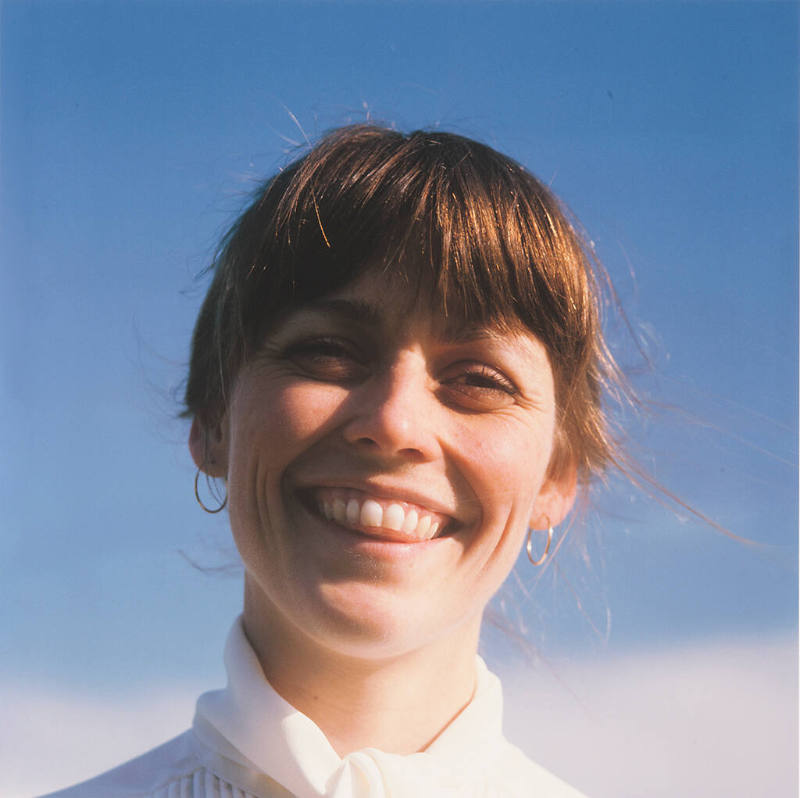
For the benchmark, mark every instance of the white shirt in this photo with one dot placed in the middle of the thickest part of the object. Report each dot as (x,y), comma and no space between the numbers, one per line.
(247,742)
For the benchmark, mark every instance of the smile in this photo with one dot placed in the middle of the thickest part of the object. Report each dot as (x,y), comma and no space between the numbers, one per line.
(389,519)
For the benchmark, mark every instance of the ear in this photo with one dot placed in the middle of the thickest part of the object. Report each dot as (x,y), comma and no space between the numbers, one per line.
(555,498)
(209,448)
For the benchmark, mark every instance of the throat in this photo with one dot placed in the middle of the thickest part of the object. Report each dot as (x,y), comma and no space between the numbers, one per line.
(398,705)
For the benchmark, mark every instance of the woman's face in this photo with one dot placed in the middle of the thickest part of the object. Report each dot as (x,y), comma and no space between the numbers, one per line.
(383,469)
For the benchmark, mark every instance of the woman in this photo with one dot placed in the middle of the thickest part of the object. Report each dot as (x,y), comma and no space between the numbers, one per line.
(397,374)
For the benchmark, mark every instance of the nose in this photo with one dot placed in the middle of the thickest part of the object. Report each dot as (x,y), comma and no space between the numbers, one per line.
(393,415)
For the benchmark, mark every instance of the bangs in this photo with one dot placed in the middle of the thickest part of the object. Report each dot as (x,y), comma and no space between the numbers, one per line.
(468,229)
(475,236)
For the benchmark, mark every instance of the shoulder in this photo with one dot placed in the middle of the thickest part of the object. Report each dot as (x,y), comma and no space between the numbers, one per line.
(182,767)
(143,776)
(517,775)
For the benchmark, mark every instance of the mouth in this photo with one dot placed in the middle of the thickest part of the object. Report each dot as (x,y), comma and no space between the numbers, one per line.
(377,517)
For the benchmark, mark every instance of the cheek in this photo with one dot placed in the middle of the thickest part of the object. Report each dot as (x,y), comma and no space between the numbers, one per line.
(505,466)
(271,425)
(285,420)
(506,461)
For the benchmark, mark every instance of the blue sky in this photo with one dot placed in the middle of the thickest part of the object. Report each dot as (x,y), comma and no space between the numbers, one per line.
(133,132)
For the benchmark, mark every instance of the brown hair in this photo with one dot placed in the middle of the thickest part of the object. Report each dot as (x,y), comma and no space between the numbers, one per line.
(492,243)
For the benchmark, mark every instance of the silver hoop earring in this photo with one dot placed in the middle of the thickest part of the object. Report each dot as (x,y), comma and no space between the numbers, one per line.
(200,501)
(529,545)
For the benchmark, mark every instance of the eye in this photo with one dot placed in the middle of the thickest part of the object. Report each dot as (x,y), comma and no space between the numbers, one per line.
(328,359)
(477,386)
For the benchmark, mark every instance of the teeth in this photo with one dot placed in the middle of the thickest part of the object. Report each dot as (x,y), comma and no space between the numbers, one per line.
(423,526)
(339,510)
(411,521)
(371,513)
(393,517)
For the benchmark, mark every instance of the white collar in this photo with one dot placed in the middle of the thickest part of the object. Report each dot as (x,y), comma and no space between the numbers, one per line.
(274,738)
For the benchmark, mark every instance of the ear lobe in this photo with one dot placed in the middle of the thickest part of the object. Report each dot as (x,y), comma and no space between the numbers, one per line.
(209,449)
(555,499)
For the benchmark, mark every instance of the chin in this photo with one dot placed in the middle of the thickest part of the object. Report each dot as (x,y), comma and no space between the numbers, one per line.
(369,622)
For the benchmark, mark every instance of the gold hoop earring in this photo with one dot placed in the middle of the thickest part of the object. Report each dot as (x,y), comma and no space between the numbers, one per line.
(529,545)
(200,501)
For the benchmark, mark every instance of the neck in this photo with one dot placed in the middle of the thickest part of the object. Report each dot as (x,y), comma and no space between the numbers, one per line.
(398,704)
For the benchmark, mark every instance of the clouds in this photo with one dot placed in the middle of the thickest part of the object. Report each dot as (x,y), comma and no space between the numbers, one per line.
(52,738)
(709,720)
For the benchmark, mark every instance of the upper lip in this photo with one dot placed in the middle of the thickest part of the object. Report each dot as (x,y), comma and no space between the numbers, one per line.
(383,490)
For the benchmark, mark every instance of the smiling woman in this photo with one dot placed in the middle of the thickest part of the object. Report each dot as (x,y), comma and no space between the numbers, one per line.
(351,432)
(398,374)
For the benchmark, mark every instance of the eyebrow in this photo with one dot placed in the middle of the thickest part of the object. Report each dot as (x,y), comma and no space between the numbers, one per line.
(354,310)
(464,333)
